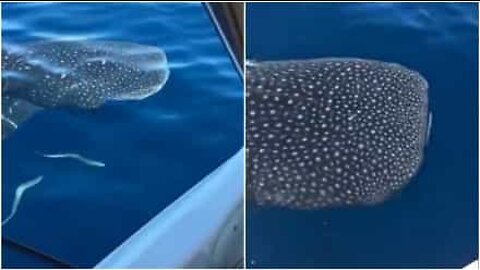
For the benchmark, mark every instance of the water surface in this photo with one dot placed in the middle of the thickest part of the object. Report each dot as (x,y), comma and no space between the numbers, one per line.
(153,149)
(433,222)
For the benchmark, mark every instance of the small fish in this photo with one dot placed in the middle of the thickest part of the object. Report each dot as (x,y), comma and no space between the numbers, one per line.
(6,119)
(87,161)
(19,194)
(429,127)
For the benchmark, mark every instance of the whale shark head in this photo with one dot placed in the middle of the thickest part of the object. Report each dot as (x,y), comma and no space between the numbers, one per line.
(83,74)
(332,132)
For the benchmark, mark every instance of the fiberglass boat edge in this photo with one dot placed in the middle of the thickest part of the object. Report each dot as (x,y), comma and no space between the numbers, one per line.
(201,229)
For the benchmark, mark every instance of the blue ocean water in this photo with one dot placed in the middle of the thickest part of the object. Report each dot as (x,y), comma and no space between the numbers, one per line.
(154,149)
(433,222)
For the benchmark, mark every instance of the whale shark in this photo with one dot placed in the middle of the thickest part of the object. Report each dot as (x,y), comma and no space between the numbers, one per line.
(332,132)
(83,74)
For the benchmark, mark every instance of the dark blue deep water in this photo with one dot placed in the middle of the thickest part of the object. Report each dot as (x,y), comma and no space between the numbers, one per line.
(154,149)
(433,222)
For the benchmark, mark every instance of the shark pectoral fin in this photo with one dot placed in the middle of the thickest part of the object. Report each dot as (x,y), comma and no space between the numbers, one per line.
(14,112)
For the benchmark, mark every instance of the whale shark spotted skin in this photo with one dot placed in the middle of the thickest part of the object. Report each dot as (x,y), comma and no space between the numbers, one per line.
(83,74)
(332,132)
